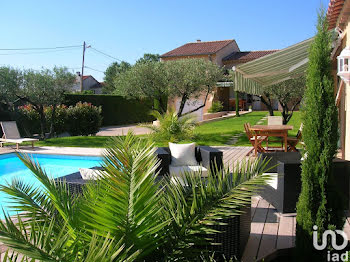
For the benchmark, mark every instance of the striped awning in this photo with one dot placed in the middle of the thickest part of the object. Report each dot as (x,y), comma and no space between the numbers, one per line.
(272,69)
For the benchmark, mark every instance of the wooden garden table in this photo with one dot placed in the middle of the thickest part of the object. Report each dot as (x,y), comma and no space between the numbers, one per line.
(272,130)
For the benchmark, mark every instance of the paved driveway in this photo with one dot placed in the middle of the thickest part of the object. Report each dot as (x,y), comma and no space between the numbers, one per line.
(122,130)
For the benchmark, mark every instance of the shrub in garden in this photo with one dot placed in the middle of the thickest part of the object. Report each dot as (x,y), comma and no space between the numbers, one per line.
(29,121)
(171,128)
(60,119)
(84,119)
(216,107)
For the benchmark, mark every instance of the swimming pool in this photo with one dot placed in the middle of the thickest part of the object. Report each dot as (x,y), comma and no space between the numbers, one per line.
(55,166)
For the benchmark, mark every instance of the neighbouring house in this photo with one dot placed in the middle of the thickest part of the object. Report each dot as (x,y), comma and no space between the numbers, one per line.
(89,84)
(338,15)
(225,53)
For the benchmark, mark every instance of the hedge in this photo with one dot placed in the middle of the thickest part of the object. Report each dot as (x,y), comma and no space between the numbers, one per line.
(116,110)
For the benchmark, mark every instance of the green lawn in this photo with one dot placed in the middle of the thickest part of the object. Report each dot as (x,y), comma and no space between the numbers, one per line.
(213,133)
(220,132)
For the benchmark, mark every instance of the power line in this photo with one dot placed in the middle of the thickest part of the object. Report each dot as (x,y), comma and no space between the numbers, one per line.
(105,54)
(40,52)
(39,48)
(94,69)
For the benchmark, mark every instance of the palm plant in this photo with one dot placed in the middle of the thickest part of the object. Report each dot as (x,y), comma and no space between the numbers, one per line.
(171,127)
(128,214)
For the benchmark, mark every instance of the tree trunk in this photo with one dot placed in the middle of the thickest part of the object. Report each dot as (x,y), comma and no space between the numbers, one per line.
(237,103)
(197,108)
(53,118)
(42,122)
(285,114)
(160,103)
(268,104)
(182,105)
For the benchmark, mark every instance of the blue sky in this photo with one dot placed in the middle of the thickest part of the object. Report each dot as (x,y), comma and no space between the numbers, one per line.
(128,29)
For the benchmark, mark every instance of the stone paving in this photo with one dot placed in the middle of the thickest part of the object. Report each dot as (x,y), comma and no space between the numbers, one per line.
(123,130)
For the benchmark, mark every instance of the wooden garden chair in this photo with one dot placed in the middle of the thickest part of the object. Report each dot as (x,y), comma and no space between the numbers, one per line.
(294,141)
(251,138)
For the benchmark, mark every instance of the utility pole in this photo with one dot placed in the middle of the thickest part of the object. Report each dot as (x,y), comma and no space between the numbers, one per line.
(82,69)
(237,104)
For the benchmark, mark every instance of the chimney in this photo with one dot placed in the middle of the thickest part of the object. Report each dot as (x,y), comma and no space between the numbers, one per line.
(198,41)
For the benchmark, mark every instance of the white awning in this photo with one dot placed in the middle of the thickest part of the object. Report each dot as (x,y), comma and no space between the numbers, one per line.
(273,68)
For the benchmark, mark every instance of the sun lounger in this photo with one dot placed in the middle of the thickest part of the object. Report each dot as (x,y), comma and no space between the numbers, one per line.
(11,134)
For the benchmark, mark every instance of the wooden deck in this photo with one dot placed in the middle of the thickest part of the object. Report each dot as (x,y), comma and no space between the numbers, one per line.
(272,233)
(233,155)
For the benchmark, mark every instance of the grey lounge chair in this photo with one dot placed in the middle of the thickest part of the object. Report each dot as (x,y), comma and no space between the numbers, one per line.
(11,134)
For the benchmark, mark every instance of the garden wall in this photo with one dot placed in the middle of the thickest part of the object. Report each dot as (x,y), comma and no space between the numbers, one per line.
(116,110)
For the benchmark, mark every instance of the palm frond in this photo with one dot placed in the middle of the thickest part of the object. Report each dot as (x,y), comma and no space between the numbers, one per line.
(195,204)
(33,240)
(28,200)
(127,201)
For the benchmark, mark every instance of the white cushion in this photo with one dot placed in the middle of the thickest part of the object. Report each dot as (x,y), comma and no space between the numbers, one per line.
(183,154)
(273,182)
(90,174)
(177,170)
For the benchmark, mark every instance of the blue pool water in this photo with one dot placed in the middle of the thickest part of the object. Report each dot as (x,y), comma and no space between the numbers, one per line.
(55,166)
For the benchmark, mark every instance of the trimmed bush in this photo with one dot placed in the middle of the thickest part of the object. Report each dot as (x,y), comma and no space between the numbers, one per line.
(216,107)
(319,203)
(84,119)
(116,110)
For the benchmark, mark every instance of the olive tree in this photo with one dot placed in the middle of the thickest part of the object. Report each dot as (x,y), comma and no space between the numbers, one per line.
(191,78)
(145,80)
(10,82)
(289,94)
(45,88)
(112,72)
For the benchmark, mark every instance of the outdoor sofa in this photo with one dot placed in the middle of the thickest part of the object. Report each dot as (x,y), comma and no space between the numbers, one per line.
(233,236)
(208,157)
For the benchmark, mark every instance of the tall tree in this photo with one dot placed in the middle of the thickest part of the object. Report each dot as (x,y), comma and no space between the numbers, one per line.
(46,88)
(289,94)
(149,58)
(113,71)
(10,83)
(318,203)
(191,78)
(145,80)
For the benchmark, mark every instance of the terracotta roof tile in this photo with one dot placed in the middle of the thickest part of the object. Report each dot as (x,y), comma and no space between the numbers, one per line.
(198,48)
(247,55)
(333,12)
(84,77)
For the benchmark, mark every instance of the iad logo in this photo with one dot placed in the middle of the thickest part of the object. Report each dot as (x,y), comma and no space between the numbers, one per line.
(323,245)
